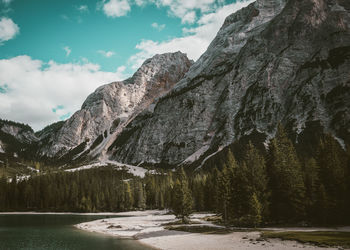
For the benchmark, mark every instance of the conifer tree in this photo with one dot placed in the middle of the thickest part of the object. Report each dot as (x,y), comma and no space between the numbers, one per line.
(141,202)
(182,200)
(322,204)
(312,183)
(214,187)
(332,162)
(224,192)
(286,179)
(241,194)
(257,177)
(255,211)
(150,191)
(128,196)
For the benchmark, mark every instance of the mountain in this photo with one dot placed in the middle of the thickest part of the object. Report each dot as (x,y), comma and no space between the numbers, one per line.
(273,61)
(110,107)
(16,138)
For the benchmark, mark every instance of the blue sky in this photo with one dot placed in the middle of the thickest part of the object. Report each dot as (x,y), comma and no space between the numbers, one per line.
(46,27)
(53,53)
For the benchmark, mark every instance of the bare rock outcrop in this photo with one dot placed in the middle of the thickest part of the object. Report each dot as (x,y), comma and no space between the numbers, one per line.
(273,61)
(111,105)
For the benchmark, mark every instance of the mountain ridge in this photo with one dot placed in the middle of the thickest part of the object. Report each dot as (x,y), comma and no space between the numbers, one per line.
(110,105)
(271,62)
(249,82)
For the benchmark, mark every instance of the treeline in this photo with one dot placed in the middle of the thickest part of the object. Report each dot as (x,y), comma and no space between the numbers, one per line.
(278,186)
(93,190)
(23,126)
(272,187)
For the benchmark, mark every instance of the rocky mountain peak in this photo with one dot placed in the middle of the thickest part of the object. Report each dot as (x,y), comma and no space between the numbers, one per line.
(113,104)
(271,62)
(160,67)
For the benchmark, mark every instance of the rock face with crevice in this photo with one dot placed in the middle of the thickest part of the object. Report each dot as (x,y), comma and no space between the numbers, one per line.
(273,61)
(111,105)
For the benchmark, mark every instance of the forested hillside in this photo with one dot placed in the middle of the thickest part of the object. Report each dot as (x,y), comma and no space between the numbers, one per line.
(261,187)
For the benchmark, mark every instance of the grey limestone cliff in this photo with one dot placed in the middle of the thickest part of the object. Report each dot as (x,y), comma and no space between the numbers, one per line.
(273,61)
(111,105)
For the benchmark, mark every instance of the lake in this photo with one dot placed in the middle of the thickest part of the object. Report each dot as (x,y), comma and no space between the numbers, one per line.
(56,231)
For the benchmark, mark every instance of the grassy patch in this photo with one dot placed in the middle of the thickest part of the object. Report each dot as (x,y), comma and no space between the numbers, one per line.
(200,229)
(318,238)
(179,222)
(214,218)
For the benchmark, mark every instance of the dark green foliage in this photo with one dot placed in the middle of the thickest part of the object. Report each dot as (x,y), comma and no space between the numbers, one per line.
(52,128)
(97,141)
(337,239)
(312,187)
(333,174)
(280,187)
(251,190)
(285,179)
(224,184)
(24,127)
(92,190)
(181,199)
(248,196)
(73,152)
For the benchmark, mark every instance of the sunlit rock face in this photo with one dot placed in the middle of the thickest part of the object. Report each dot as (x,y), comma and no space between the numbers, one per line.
(111,105)
(273,61)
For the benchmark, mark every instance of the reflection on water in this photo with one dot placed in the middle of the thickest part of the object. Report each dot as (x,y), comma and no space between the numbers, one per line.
(40,231)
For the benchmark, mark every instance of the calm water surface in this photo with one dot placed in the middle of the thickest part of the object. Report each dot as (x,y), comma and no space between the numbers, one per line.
(43,231)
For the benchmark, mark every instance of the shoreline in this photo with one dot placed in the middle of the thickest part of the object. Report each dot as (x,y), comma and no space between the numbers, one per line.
(130,213)
(54,213)
(147,227)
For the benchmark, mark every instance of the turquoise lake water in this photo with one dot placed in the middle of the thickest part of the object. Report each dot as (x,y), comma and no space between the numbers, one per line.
(44,231)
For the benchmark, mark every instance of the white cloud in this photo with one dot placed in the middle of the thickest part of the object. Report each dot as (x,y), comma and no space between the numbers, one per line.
(67,50)
(8,29)
(140,2)
(116,8)
(189,17)
(186,9)
(6,2)
(157,26)
(65,17)
(194,42)
(35,88)
(106,53)
(83,8)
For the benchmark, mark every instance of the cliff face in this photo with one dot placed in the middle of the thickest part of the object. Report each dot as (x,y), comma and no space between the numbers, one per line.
(273,61)
(16,138)
(111,105)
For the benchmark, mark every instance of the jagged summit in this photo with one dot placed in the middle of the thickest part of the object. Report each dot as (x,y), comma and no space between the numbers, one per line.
(275,61)
(113,104)
(271,62)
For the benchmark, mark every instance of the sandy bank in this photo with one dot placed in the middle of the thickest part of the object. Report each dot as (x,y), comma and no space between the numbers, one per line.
(65,213)
(147,227)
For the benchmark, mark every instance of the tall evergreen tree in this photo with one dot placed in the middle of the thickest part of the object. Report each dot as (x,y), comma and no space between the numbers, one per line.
(333,168)
(224,192)
(141,201)
(182,199)
(129,201)
(286,179)
(254,215)
(312,185)
(257,177)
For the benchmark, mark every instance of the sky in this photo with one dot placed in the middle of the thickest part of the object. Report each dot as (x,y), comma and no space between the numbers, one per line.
(54,53)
